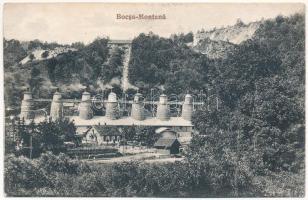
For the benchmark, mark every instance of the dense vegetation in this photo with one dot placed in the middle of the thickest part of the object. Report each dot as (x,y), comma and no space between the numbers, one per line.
(42,137)
(260,85)
(113,68)
(157,61)
(91,66)
(260,127)
(253,145)
(52,175)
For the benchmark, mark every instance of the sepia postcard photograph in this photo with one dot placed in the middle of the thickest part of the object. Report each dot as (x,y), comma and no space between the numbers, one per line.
(164,100)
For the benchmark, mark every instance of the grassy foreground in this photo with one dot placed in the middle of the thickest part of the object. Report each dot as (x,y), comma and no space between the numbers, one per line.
(52,175)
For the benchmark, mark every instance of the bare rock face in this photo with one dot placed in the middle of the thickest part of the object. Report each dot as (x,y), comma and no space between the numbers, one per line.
(234,34)
(217,43)
(214,49)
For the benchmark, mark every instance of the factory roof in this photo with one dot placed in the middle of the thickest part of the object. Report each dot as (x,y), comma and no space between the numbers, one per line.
(129,121)
(124,121)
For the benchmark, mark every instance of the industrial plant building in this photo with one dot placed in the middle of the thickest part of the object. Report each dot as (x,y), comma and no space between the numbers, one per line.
(87,123)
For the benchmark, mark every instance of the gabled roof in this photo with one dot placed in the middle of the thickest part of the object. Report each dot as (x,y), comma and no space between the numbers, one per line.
(112,132)
(166,142)
(161,129)
(83,131)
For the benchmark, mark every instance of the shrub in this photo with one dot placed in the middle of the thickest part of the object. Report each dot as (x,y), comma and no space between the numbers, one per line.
(45,54)
(22,173)
(62,164)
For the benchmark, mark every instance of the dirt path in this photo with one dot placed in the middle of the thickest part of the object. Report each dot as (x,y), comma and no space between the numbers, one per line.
(141,156)
(125,82)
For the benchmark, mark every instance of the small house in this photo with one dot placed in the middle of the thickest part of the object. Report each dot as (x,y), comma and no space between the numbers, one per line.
(97,135)
(168,145)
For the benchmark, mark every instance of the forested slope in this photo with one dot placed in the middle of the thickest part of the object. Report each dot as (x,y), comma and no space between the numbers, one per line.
(167,63)
(93,66)
(259,131)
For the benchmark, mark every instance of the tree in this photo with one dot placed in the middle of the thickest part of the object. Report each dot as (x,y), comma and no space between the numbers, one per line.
(129,132)
(13,52)
(31,57)
(35,82)
(78,45)
(45,54)
(146,135)
(239,22)
(46,136)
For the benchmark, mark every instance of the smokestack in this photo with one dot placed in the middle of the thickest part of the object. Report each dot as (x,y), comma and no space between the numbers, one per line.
(137,108)
(85,111)
(187,108)
(26,111)
(112,106)
(56,107)
(163,108)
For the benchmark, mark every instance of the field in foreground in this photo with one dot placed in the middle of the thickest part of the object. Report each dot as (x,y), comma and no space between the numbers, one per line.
(52,175)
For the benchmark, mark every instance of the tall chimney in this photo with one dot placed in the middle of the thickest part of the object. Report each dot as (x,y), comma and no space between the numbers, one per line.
(112,106)
(26,110)
(56,107)
(187,108)
(85,111)
(163,108)
(137,108)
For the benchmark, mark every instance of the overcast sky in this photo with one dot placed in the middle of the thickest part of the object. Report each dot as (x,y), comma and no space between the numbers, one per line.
(67,23)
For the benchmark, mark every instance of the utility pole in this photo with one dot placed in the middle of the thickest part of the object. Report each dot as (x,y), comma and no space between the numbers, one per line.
(30,146)
(237,159)
(152,101)
(123,141)
(12,118)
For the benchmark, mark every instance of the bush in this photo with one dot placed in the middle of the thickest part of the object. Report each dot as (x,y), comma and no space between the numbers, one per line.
(53,175)
(45,54)
(283,184)
(22,173)
(62,163)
